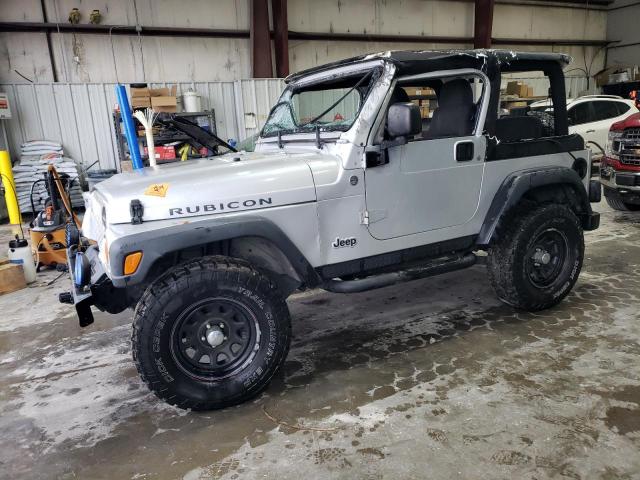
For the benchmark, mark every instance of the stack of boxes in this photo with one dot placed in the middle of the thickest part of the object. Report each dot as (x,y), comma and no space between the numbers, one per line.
(516,94)
(519,89)
(422,97)
(160,99)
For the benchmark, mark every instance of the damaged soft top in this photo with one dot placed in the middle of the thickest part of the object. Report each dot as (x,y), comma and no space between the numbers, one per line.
(417,61)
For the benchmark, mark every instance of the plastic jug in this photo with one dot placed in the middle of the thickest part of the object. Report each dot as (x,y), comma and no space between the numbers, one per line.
(20,253)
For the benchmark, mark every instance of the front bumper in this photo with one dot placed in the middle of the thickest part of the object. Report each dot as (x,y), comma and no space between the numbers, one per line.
(619,176)
(622,184)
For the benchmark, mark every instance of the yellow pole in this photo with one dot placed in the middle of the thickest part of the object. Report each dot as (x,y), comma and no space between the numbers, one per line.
(9,188)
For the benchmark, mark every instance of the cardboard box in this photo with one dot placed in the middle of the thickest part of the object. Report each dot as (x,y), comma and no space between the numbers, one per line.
(140,102)
(413,91)
(512,88)
(518,88)
(522,90)
(164,92)
(139,92)
(11,278)
(164,104)
(529,92)
(164,99)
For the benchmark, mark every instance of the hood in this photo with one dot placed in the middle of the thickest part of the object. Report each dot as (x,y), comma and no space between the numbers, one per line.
(629,122)
(226,184)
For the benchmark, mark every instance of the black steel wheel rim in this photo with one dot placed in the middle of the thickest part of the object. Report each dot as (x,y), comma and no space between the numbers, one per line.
(215,338)
(546,257)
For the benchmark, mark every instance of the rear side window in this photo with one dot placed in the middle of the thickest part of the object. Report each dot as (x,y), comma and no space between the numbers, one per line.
(622,108)
(604,110)
(580,113)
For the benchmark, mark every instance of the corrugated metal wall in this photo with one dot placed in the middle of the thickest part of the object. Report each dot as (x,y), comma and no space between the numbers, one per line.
(79,115)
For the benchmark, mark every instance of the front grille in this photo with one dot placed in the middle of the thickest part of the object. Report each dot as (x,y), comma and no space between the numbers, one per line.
(630,147)
(632,133)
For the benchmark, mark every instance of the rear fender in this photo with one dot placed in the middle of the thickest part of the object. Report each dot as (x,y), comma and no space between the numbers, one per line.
(529,183)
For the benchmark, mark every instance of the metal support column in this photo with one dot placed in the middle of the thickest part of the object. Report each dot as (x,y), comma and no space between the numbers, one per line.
(281,36)
(260,40)
(483,23)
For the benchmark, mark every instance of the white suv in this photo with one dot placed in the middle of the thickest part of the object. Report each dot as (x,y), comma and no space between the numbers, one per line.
(592,115)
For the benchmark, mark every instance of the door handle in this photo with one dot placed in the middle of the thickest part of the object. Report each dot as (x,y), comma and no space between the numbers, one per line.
(590,131)
(464,151)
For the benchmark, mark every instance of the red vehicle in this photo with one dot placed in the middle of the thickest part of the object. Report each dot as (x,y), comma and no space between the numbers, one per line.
(620,167)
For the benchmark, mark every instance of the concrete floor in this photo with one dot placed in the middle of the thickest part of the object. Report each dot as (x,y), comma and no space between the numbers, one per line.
(432,379)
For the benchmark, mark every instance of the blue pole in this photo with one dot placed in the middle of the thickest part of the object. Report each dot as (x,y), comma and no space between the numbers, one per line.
(129,129)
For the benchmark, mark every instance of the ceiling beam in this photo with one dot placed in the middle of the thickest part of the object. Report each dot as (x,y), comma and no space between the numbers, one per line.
(293,35)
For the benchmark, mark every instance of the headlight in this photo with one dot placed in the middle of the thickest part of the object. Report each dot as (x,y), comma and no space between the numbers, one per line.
(613,144)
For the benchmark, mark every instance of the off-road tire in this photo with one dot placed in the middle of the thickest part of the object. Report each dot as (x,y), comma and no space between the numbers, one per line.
(621,206)
(189,289)
(509,260)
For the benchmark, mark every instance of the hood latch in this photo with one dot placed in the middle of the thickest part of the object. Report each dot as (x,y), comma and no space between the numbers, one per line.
(137,210)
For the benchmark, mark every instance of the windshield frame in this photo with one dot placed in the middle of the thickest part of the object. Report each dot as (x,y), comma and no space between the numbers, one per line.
(372,69)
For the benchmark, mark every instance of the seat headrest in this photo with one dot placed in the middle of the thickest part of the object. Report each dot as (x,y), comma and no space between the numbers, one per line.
(454,93)
(399,96)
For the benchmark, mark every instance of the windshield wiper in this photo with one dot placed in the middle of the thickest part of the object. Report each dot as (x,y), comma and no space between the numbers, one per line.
(318,117)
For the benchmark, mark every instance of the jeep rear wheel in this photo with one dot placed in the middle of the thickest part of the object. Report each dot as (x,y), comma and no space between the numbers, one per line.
(210,333)
(618,204)
(538,257)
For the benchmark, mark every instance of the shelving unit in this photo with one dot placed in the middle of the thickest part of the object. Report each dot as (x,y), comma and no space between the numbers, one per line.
(206,119)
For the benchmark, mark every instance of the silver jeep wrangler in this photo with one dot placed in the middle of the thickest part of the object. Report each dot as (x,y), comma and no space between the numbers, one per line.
(351,187)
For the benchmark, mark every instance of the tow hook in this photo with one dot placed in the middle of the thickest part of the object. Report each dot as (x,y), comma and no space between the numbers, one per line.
(65,297)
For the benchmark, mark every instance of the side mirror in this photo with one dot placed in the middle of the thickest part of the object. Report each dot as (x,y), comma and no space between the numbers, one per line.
(403,120)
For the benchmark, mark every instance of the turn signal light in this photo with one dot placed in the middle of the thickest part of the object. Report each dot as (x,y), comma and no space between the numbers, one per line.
(131,263)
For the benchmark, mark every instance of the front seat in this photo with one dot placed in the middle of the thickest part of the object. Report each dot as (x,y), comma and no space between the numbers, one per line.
(399,95)
(454,116)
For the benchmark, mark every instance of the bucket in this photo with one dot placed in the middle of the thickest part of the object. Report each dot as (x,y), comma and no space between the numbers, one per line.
(97,176)
(191,101)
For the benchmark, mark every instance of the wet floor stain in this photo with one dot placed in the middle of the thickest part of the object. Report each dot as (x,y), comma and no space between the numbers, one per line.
(624,420)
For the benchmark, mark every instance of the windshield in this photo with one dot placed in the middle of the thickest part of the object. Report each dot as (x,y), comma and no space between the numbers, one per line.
(329,106)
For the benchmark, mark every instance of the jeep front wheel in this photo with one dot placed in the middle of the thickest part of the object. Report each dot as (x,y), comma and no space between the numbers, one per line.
(537,258)
(210,333)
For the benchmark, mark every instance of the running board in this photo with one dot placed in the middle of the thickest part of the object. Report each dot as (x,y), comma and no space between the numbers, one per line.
(413,273)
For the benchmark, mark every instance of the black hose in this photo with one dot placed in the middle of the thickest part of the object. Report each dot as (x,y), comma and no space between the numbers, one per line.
(33,207)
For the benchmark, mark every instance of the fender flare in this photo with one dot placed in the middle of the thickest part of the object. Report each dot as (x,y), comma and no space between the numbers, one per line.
(516,185)
(155,244)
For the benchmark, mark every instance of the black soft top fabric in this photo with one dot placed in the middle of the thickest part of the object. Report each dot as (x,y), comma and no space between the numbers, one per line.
(411,62)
